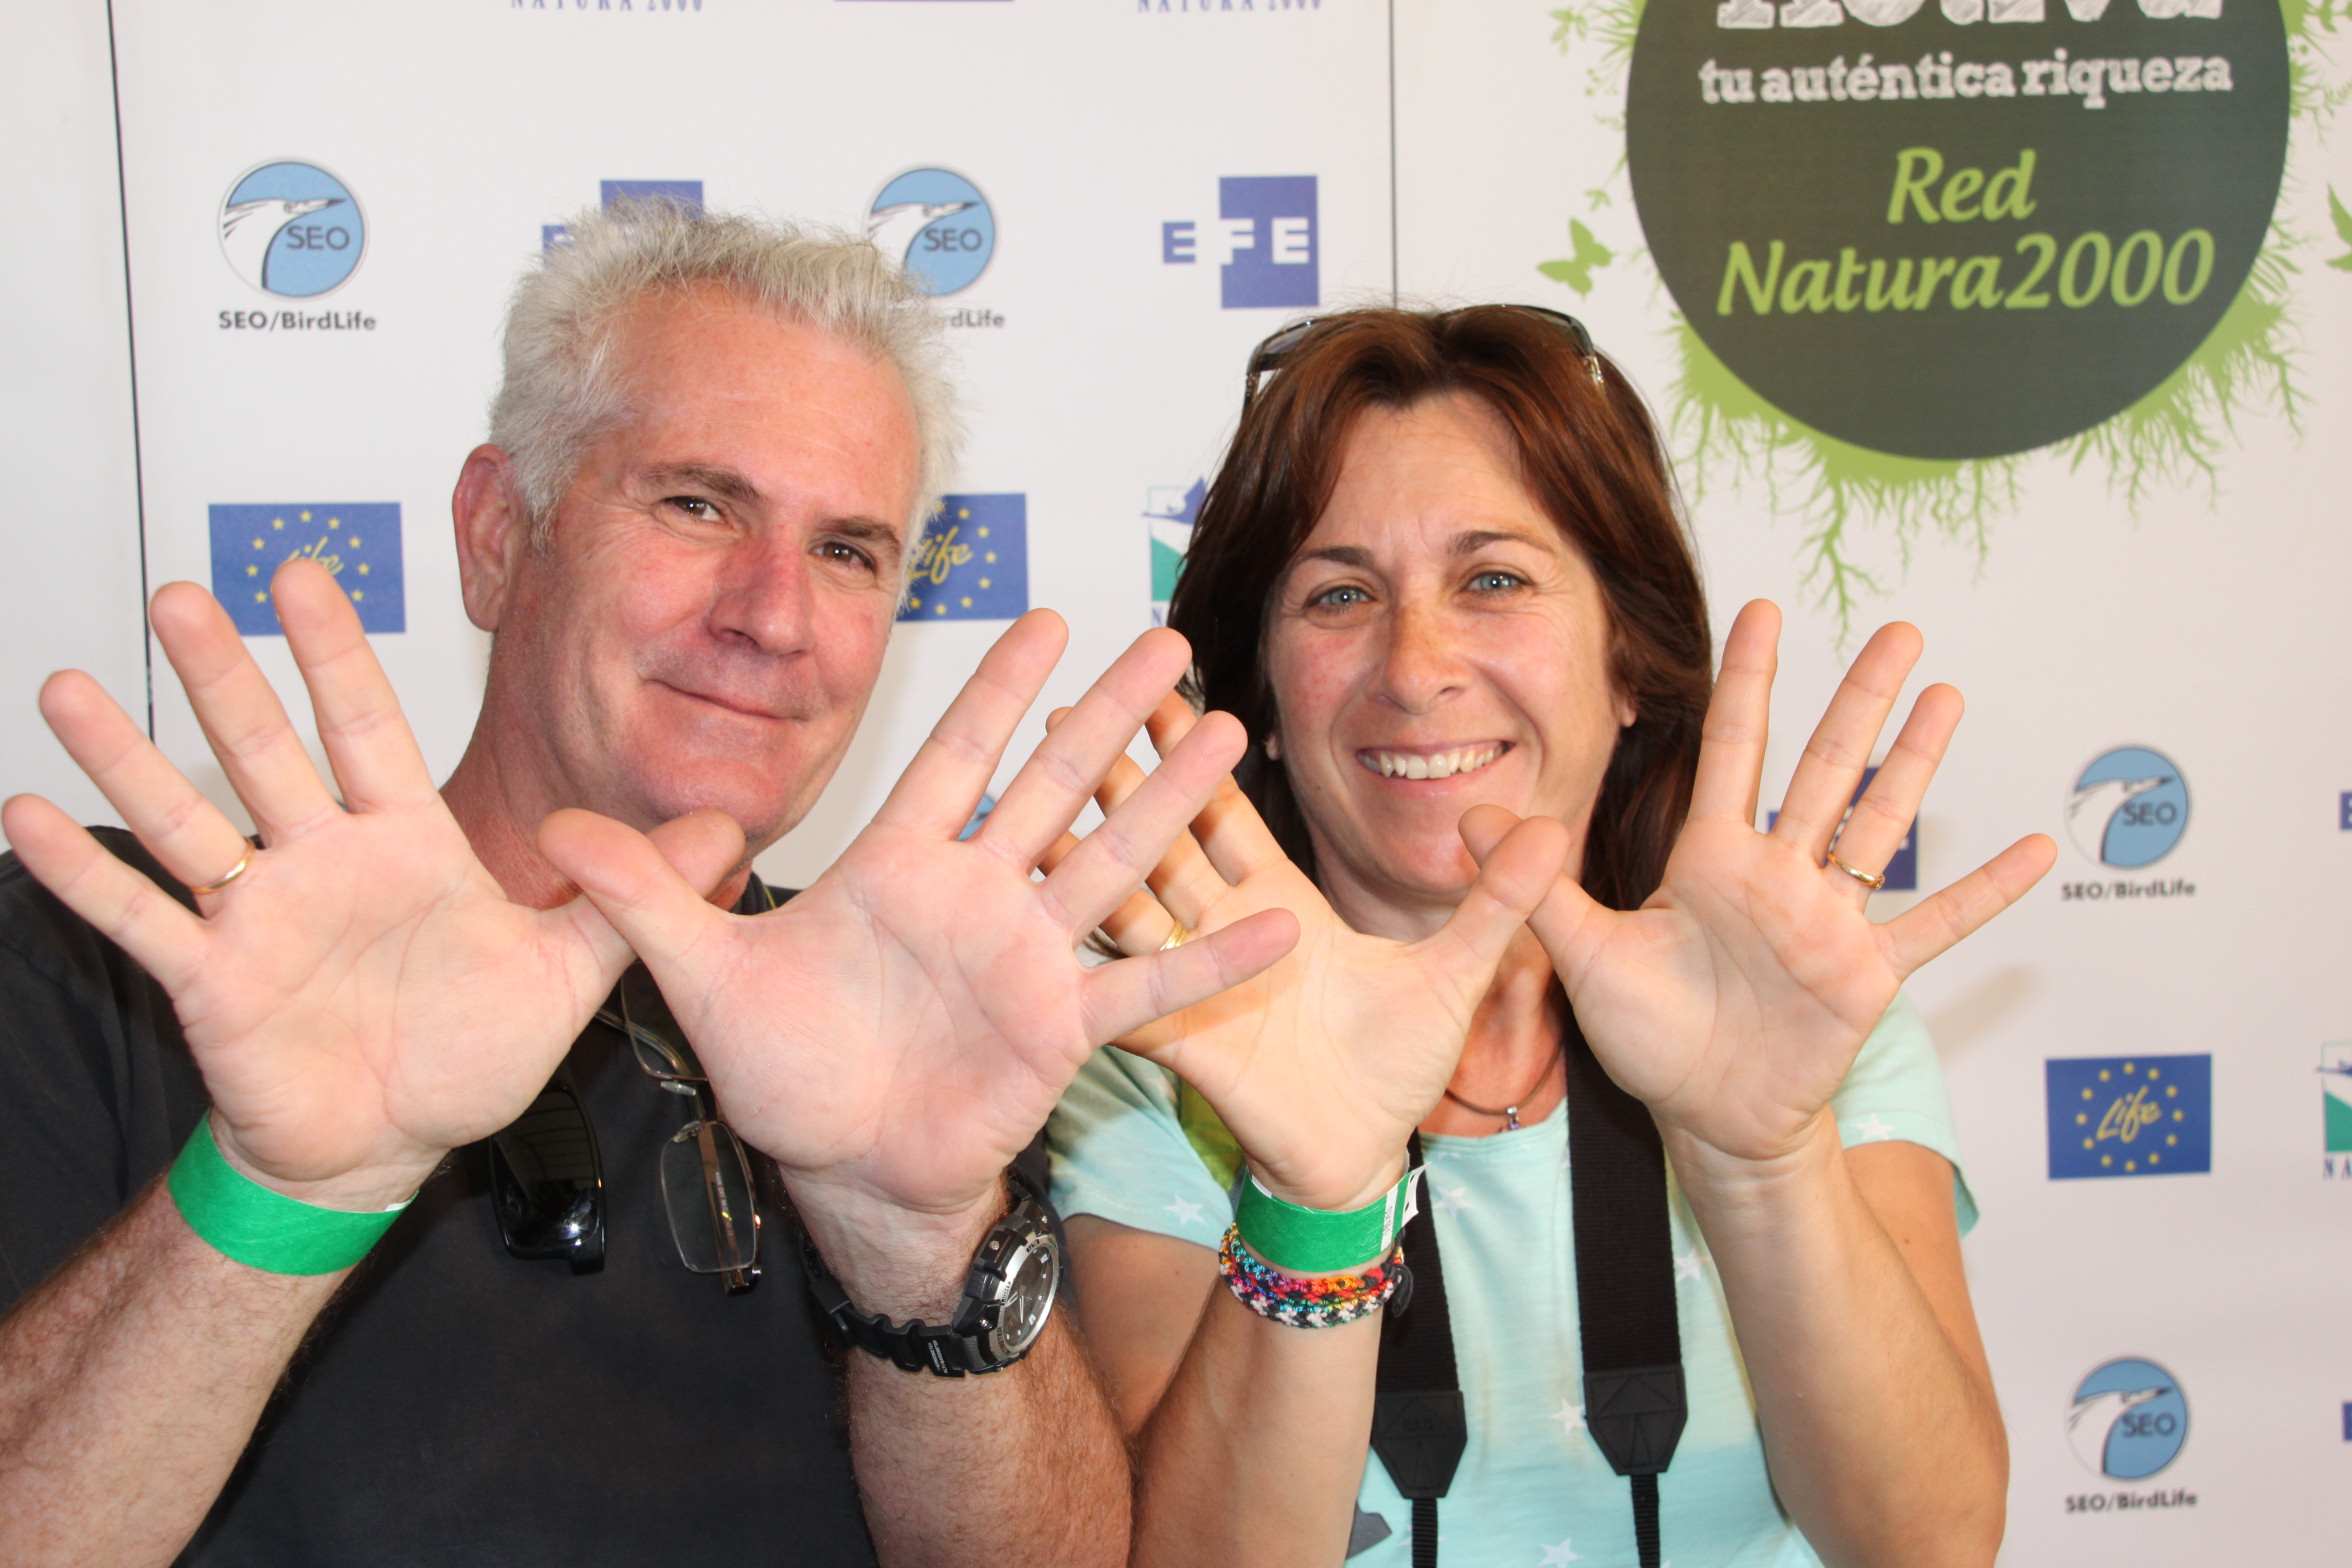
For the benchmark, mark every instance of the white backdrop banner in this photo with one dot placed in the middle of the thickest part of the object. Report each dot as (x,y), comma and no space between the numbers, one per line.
(2023,321)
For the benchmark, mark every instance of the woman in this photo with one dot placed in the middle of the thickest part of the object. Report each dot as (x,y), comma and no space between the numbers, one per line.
(1440,579)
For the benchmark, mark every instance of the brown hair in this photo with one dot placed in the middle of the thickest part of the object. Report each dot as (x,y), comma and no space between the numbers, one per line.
(1590,457)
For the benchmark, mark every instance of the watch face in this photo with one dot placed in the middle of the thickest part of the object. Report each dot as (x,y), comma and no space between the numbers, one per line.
(1033,1274)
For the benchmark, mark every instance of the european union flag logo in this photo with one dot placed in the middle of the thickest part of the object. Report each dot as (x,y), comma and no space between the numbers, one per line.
(972,563)
(358,541)
(2130,1116)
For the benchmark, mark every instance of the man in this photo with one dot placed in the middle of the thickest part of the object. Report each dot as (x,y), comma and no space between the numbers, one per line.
(686,535)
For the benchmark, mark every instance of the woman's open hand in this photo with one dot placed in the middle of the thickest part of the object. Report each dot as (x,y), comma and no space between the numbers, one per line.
(1734,1001)
(1322,1065)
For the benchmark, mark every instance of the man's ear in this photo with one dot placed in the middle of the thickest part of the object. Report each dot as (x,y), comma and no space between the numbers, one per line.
(492,533)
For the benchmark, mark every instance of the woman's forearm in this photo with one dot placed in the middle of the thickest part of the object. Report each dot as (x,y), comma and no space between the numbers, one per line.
(1879,1420)
(1256,1451)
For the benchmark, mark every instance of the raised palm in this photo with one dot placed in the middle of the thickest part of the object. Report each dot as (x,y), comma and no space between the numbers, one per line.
(363,997)
(1323,1065)
(904,1026)
(1734,1000)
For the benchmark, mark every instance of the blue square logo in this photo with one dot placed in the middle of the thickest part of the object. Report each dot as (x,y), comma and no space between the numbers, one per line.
(2130,1116)
(972,563)
(681,193)
(1276,257)
(358,541)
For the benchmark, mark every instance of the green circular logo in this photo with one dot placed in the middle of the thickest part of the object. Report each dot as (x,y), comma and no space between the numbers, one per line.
(1956,228)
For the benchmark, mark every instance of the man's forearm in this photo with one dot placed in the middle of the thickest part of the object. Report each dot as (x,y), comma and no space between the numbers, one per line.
(130,1382)
(1022,1465)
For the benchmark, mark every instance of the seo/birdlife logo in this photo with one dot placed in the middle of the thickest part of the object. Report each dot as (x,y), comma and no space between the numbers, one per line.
(937,225)
(2129,808)
(2128,1419)
(292,229)
(1264,240)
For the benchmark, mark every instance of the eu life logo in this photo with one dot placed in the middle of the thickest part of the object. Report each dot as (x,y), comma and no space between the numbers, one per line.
(972,563)
(1264,239)
(357,541)
(2130,1115)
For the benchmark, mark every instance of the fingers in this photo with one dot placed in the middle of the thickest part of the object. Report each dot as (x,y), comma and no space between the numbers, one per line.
(655,910)
(1731,743)
(140,917)
(951,771)
(1123,996)
(1109,863)
(1936,923)
(1887,809)
(187,832)
(1563,921)
(1824,782)
(1061,775)
(241,716)
(367,738)
(1515,875)
(1142,924)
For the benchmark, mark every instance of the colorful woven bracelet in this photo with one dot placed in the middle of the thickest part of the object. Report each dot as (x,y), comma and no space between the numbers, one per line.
(1323,1301)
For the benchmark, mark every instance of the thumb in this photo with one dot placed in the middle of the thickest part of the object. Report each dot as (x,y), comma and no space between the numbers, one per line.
(1519,862)
(1561,917)
(702,847)
(656,910)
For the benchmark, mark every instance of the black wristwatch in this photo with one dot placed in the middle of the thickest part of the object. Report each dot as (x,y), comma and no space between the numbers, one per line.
(1007,1296)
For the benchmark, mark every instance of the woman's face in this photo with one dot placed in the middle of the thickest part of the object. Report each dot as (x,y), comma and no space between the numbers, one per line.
(1435,644)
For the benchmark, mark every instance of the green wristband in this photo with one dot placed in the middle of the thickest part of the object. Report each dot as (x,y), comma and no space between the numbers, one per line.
(1320,1241)
(241,1219)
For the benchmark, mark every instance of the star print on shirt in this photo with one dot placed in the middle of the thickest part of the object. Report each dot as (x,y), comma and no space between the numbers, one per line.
(1559,1556)
(1570,1417)
(1871,1129)
(1691,1265)
(1451,1199)
(1186,1213)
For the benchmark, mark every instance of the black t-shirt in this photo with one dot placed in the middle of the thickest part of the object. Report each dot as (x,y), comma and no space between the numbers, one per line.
(453,1406)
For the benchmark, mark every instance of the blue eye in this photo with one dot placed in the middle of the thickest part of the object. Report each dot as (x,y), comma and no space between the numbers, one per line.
(1496,582)
(1345,594)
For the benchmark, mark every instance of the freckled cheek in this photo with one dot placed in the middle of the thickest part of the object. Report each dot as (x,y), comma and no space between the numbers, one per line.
(1313,676)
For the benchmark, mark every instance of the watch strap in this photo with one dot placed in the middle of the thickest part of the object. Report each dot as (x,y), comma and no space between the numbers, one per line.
(956,1349)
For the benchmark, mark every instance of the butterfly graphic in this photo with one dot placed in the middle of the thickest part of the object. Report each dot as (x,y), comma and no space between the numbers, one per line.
(1576,271)
(2343,230)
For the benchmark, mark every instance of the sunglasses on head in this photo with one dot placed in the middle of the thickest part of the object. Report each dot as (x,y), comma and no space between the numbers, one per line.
(1269,356)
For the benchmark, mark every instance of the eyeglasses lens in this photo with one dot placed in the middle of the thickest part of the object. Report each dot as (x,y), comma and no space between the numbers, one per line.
(706,1186)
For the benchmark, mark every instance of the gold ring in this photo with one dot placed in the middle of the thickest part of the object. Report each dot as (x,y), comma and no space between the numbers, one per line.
(234,872)
(1874,883)
(1175,937)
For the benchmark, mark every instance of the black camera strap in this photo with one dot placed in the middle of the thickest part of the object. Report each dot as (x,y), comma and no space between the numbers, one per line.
(1635,1402)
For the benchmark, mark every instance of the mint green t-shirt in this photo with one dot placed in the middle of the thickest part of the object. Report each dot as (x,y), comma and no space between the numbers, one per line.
(1533,1491)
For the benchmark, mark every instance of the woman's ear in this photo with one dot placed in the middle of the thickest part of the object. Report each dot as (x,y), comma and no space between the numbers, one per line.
(1628,708)
(1273,745)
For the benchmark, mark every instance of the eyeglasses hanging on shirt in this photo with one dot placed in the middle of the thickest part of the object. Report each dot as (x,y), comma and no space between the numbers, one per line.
(547,1173)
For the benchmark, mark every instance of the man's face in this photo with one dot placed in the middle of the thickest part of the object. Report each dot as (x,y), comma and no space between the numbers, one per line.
(707,615)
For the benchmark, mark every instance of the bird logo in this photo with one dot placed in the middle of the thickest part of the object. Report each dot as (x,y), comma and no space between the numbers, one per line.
(936,225)
(2129,808)
(2127,1419)
(291,229)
